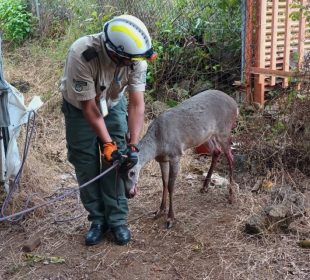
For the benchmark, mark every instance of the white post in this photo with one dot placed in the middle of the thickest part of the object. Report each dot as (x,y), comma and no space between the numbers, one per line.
(37,7)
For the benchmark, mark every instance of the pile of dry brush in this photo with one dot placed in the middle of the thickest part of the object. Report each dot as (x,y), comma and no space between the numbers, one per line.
(278,138)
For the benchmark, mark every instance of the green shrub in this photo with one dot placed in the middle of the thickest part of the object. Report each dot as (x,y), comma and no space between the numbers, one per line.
(196,40)
(300,10)
(61,19)
(15,20)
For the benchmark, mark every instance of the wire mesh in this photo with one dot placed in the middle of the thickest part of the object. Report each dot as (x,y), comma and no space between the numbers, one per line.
(199,42)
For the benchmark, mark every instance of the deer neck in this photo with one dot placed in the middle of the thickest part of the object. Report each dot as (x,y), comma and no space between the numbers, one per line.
(147,148)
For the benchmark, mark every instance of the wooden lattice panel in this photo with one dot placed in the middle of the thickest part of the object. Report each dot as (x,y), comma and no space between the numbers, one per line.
(281,43)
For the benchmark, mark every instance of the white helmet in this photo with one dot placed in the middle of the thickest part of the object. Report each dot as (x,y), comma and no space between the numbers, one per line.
(127,36)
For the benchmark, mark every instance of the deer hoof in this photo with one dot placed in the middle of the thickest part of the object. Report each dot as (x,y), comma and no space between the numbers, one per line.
(159,213)
(204,190)
(169,224)
(231,196)
(231,199)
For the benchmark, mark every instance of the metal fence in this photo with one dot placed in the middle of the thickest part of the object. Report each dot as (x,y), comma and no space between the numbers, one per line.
(199,42)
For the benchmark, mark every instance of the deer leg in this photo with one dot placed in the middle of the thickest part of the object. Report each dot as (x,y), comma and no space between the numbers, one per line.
(215,156)
(164,167)
(230,160)
(173,172)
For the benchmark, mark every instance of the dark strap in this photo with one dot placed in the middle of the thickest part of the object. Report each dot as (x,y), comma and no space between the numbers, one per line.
(4,108)
(133,147)
(90,54)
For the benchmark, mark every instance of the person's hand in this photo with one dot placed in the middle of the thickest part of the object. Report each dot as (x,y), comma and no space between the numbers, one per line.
(108,149)
(131,154)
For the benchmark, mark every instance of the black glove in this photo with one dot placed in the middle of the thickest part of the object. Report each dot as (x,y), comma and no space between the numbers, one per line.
(117,155)
(131,157)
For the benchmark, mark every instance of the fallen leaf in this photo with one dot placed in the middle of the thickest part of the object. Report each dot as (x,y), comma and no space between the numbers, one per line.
(267,185)
(56,259)
(304,243)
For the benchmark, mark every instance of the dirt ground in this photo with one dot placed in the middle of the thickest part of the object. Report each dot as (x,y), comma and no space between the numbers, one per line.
(207,242)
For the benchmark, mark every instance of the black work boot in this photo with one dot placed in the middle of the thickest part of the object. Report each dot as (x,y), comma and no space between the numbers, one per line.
(95,234)
(121,234)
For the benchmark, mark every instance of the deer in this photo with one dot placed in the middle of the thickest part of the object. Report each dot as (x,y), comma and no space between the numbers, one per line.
(205,118)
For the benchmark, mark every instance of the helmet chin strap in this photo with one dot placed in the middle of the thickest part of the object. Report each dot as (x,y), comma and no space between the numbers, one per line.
(113,57)
(116,58)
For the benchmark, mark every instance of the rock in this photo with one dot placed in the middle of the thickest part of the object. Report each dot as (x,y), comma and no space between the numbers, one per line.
(22,86)
(300,227)
(287,206)
(201,85)
(31,244)
(240,162)
(157,107)
(277,211)
(219,181)
(256,224)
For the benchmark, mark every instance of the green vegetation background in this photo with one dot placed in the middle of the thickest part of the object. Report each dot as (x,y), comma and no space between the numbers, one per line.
(198,41)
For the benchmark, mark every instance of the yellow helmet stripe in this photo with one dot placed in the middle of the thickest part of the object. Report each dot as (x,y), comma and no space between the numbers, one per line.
(138,58)
(130,33)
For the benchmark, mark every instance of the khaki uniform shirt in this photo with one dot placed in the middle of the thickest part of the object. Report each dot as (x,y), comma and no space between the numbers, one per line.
(98,76)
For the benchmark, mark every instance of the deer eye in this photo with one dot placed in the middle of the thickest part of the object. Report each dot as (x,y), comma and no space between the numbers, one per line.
(131,174)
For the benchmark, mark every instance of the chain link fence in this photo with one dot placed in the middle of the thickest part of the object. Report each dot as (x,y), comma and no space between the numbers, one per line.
(198,41)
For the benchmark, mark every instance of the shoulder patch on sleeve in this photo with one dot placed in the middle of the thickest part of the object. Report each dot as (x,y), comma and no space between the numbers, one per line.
(80,85)
(90,54)
(142,78)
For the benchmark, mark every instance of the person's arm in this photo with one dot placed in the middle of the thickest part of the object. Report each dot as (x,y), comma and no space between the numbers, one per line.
(92,115)
(135,115)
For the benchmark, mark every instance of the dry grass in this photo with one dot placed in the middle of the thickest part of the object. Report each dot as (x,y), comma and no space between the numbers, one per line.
(207,241)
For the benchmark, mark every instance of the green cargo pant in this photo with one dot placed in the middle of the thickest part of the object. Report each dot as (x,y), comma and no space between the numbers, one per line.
(105,198)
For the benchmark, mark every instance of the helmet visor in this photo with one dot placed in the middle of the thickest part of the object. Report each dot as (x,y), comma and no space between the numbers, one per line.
(149,55)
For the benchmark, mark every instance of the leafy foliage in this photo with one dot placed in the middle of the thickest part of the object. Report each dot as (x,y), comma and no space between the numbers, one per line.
(15,21)
(78,17)
(303,10)
(197,41)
